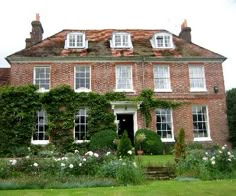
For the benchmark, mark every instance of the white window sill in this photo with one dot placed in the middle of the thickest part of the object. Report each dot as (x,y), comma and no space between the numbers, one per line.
(167,139)
(81,141)
(42,90)
(198,90)
(162,90)
(125,90)
(40,142)
(202,139)
(83,90)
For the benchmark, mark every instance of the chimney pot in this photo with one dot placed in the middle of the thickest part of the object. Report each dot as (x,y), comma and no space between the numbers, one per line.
(185,32)
(37,17)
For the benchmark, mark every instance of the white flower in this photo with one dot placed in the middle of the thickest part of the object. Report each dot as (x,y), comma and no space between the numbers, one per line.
(80,164)
(29,149)
(71,166)
(64,158)
(213,162)
(220,151)
(27,157)
(129,152)
(35,164)
(229,160)
(90,153)
(229,153)
(206,153)
(108,153)
(96,155)
(13,162)
(205,158)
(63,164)
(231,156)
(123,163)
(212,158)
(134,163)
(76,151)
(84,159)
(223,147)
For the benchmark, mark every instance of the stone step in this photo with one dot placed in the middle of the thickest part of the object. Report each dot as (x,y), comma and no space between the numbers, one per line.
(159,173)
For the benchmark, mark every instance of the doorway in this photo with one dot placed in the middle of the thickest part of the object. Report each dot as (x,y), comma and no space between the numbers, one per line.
(126,122)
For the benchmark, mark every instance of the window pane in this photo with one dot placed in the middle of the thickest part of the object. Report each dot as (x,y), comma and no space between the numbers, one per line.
(41,126)
(164,123)
(200,121)
(42,77)
(82,77)
(124,77)
(197,76)
(81,121)
(161,77)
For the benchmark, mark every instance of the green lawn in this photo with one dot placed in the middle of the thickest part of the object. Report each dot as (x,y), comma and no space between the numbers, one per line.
(155,160)
(198,188)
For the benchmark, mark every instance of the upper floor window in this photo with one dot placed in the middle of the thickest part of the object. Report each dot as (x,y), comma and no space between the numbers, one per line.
(197,78)
(42,78)
(76,40)
(200,123)
(124,79)
(82,78)
(162,78)
(81,125)
(162,40)
(121,40)
(40,136)
(164,124)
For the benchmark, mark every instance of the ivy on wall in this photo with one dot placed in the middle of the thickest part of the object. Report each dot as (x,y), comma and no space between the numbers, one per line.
(19,105)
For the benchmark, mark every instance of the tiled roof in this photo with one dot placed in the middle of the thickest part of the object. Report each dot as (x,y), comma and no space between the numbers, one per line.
(99,45)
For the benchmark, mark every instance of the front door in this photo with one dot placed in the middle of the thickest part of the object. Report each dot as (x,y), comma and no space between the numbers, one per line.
(126,123)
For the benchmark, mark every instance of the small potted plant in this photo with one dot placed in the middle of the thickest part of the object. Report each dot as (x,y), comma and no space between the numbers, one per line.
(139,139)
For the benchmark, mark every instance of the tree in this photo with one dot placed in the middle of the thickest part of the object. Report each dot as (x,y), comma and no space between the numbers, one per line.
(231,112)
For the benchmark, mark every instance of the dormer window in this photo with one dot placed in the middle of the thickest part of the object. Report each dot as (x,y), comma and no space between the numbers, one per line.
(76,40)
(162,40)
(121,40)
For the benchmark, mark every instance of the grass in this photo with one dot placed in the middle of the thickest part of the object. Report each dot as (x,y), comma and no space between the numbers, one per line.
(222,187)
(155,160)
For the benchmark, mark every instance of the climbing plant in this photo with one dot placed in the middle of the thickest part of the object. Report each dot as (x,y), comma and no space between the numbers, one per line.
(149,102)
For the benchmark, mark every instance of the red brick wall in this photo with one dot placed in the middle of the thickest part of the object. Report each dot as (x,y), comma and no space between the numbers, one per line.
(103,80)
(4,76)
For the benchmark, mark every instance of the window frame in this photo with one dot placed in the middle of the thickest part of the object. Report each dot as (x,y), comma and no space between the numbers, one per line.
(117,79)
(164,36)
(207,120)
(167,139)
(79,124)
(36,131)
(76,46)
(82,89)
(155,69)
(122,35)
(203,78)
(41,89)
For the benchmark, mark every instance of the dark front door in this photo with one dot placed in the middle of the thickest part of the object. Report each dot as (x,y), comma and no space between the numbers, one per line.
(126,123)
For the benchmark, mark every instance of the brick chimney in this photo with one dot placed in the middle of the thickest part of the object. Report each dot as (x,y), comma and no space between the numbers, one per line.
(36,35)
(185,32)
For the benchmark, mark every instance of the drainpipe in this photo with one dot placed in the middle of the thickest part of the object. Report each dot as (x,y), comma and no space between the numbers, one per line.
(143,60)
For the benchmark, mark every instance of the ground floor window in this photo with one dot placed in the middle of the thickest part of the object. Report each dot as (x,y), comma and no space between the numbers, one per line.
(164,124)
(40,135)
(81,125)
(200,122)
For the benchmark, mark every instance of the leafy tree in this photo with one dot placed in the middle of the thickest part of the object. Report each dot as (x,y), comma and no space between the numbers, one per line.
(180,146)
(231,111)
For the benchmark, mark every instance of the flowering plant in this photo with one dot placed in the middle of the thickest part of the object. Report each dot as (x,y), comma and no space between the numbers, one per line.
(140,138)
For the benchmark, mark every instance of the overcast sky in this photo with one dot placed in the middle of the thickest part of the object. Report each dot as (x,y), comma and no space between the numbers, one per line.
(212,22)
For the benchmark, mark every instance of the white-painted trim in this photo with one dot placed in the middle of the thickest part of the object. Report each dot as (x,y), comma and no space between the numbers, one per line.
(84,45)
(127,107)
(39,142)
(113,44)
(154,40)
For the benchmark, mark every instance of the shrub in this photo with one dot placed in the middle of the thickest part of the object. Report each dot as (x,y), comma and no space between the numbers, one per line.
(180,146)
(195,145)
(168,148)
(103,140)
(125,147)
(152,144)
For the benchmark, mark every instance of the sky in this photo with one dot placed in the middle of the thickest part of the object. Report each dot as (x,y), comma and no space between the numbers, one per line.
(212,22)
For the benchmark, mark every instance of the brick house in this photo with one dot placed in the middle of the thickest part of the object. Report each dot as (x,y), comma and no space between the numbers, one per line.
(129,61)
